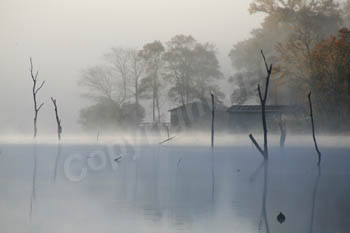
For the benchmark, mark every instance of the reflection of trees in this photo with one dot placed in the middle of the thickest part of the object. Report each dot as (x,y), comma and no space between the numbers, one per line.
(263,217)
(263,208)
(314,194)
(58,156)
(212,175)
(33,194)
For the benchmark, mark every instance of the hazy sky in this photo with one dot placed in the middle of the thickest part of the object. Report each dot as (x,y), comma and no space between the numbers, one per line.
(66,36)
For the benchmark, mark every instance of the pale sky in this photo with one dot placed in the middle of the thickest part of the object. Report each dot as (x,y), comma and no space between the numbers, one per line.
(65,36)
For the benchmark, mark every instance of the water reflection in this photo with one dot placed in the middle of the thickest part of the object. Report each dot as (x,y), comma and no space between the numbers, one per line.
(159,188)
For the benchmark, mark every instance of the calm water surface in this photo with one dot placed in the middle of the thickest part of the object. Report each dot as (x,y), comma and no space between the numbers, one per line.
(159,189)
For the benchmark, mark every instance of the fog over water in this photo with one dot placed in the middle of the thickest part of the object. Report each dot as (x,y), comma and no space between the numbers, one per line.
(131,176)
(64,37)
(165,188)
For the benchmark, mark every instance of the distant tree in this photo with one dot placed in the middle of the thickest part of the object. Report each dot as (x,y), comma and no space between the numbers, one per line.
(100,84)
(137,68)
(112,87)
(206,72)
(152,54)
(119,61)
(192,69)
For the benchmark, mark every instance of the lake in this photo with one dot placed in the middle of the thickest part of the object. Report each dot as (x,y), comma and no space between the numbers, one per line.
(153,188)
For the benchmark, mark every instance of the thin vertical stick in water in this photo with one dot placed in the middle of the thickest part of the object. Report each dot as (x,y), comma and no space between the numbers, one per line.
(212,145)
(313,131)
(212,119)
(283,129)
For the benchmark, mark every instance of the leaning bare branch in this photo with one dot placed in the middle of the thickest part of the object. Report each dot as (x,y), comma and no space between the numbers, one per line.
(257,145)
(167,140)
(38,109)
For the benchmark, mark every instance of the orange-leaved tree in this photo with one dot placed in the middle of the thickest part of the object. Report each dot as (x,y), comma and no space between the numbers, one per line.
(330,75)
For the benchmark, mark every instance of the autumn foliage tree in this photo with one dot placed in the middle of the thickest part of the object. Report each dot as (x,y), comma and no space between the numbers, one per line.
(330,75)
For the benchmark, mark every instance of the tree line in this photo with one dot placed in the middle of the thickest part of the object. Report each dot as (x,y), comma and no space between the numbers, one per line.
(307,41)
(182,70)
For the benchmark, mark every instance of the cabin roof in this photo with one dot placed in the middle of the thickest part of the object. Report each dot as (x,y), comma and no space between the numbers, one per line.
(268,108)
(218,107)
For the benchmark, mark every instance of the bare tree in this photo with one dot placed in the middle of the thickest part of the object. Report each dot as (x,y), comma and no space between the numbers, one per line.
(313,131)
(100,84)
(264,152)
(36,89)
(58,120)
(152,54)
(137,69)
(119,59)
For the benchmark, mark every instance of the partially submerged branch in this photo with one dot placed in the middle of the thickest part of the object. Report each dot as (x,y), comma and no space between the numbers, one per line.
(264,152)
(313,130)
(257,145)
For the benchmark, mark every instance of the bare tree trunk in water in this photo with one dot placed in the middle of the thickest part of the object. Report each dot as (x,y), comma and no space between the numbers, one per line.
(212,118)
(153,107)
(35,91)
(37,108)
(264,152)
(313,131)
(58,120)
(212,145)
